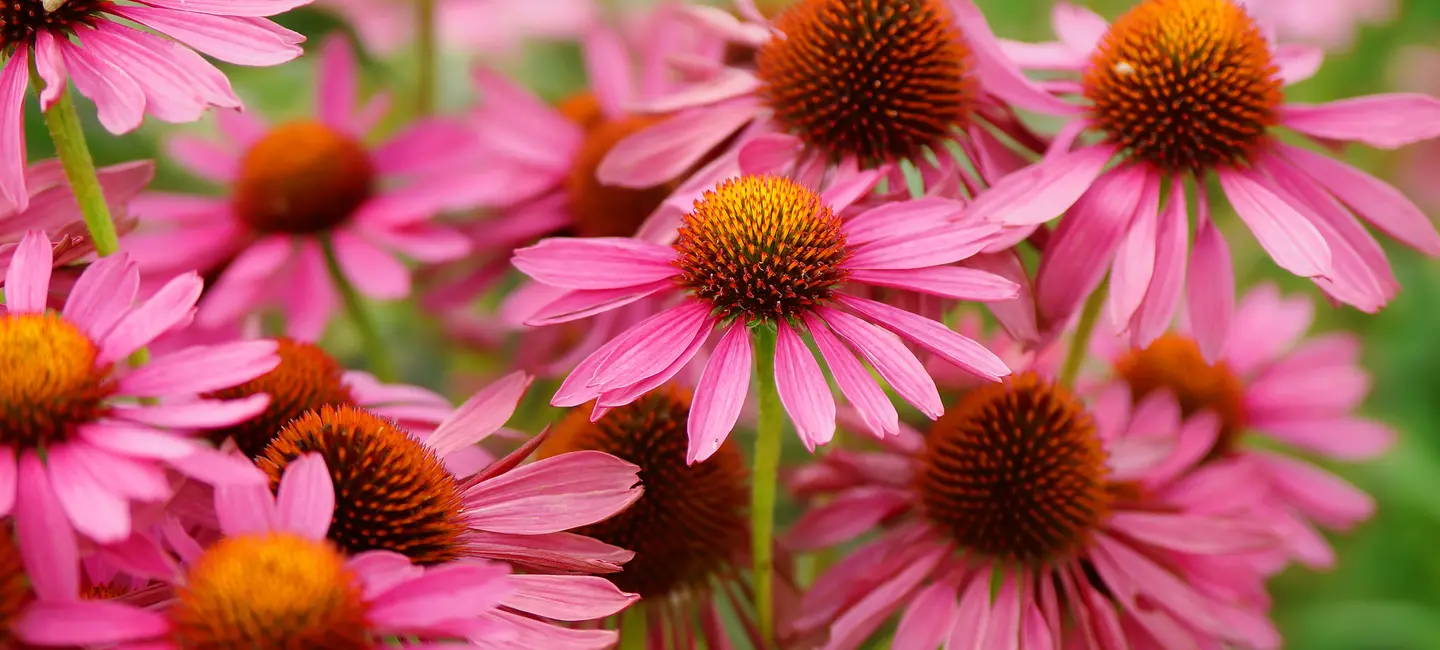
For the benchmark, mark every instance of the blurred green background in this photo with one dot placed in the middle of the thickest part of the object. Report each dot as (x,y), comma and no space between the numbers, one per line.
(1385,592)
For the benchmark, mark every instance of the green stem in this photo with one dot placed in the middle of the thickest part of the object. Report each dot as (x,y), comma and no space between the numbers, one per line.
(375,349)
(426,50)
(634,632)
(764,483)
(1080,344)
(69,137)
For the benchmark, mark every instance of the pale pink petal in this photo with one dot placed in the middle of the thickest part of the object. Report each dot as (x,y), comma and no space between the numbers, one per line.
(1384,121)
(1078,27)
(252,8)
(1134,265)
(233,40)
(652,345)
(724,84)
(374,272)
(941,245)
(1285,233)
(1162,297)
(205,158)
(14,79)
(596,262)
(93,509)
(998,75)
(89,622)
(665,151)
(861,619)
(337,76)
(567,598)
(574,305)
(1210,291)
(135,441)
(226,365)
(1318,494)
(1194,534)
(932,336)
(119,102)
(1347,439)
(720,394)
(50,63)
(1044,190)
(523,127)
(481,415)
(901,219)
(172,306)
(1375,200)
(770,153)
(1002,631)
(927,621)
(555,494)
(27,281)
(305,501)
(247,509)
(895,363)
(311,298)
(203,413)
(1297,62)
(803,390)
(854,380)
(608,68)
(972,619)
(947,281)
(456,590)
(40,524)
(219,468)
(1081,248)
(190,72)
(847,516)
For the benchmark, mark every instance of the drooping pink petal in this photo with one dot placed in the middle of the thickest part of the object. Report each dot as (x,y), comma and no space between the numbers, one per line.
(522,126)
(1044,190)
(998,75)
(720,394)
(229,39)
(562,552)
(1195,534)
(90,622)
(456,590)
(27,281)
(855,382)
(927,621)
(932,336)
(1167,281)
(374,271)
(337,76)
(861,619)
(226,365)
(1002,631)
(1134,265)
(1320,495)
(1210,290)
(119,102)
(1347,439)
(567,598)
(947,281)
(247,509)
(203,157)
(1377,201)
(202,413)
(310,298)
(1081,248)
(93,509)
(608,68)
(972,619)
(900,219)
(1078,27)
(1384,121)
(40,524)
(889,356)
(1284,232)
(251,8)
(770,153)
(653,345)
(9,477)
(481,415)
(555,494)
(50,63)
(14,79)
(933,247)
(596,262)
(668,149)
(218,468)
(305,501)
(582,303)
(191,73)
(172,306)
(803,390)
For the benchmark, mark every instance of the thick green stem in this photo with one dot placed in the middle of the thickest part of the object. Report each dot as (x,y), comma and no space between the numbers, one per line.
(69,137)
(1080,344)
(426,55)
(764,482)
(376,351)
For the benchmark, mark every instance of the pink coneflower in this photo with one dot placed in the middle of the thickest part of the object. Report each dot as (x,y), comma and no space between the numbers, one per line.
(296,189)
(72,412)
(1025,519)
(1275,384)
(689,531)
(1331,25)
(838,88)
(767,252)
(51,208)
(484,26)
(395,493)
(126,71)
(275,581)
(1416,71)
(1170,109)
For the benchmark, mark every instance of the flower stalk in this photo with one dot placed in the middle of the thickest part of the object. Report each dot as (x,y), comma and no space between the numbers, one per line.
(427,56)
(1089,316)
(764,482)
(69,137)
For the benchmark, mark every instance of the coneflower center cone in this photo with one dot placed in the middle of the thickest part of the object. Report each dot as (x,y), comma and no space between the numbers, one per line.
(392,493)
(761,248)
(49,381)
(691,520)
(1015,471)
(306,379)
(874,80)
(302,178)
(21,19)
(1174,363)
(275,591)
(1185,85)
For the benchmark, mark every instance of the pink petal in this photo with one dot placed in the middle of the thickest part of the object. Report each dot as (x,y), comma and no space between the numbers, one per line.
(9,477)
(998,75)
(1282,231)
(119,102)
(27,281)
(1044,190)
(197,414)
(311,297)
(1162,297)
(608,68)
(847,516)
(555,494)
(226,365)
(567,598)
(1384,121)
(596,263)
(1210,291)
(337,75)
(89,622)
(205,158)
(653,345)
(172,306)
(1346,439)
(972,619)
(50,63)
(189,73)
(305,502)
(524,127)
(1078,27)
(247,509)
(1375,200)
(233,40)
(40,524)
(1318,494)
(374,272)
(1297,62)
(860,620)
(1083,245)
(901,219)
(929,618)
(665,151)
(252,8)
(947,281)
(1194,534)
(942,245)
(481,415)
(803,390)
(725,84)
(854,380)
(93,509)
(720,394)
(895,363)
(102,295)
(453,591)
(556,552)
(1003,629)
(932,336)
(770,153)
(575,305)
(13,81)
(218,468)
(1134,265)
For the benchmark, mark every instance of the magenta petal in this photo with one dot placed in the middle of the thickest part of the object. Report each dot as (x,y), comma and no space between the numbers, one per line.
(449,592)
(40,524)
(770,153)
(172,306)
(998,75)
(653,345)
(1284,232)
(1195,534)
(246,509)
(932,336)
(1384,121)
(27,281)
(720,394)
(1044,190)
(217,468)
(845,517)
(944,244)
(596,263)
(551,495)
(665,151)
(608,68)
(305,501)
(1344,439)
(225,366)
(803,390)
(1298,62)
(230,39)
(1162,297)
(861,619)
(946,281)
(901,219)
(1134,265)
(9,477)
(201,414)
(119,102)
(337,75)
(895,363)
(928,620)
(1375,200)
(482,414)
(93,509)
(855,381)
(1210,291)
(14,79)
(567,598)
(1320,495)
(89,622)
(374,272)
(102,295)
(1083,245)
(578,304)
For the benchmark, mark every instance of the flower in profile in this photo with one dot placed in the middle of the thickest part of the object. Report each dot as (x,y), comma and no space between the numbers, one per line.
(1275,384)
(480,26)
(275,581)
(768,252)
(126,71)
(1175,110)
(394,493)
(839,88)
(1027,519)
(689,530)
(1331,25)
(294,190)
(72,411)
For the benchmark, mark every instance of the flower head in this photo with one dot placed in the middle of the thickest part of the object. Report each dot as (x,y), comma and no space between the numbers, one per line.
(300,193)
(126,71)
(1178,91)
(768,252)
(71,409)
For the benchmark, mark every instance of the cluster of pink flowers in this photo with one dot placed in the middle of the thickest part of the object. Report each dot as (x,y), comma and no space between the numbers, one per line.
(988,283)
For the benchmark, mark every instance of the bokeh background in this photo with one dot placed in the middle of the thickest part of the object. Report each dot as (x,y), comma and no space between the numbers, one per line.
(1385,592)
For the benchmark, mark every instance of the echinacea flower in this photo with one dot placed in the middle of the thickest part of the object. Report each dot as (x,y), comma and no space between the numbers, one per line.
(294,190)
(1181,91)
(689,530)
(72,411)
(129,72)
(1331,25)
(769,252)
(1027,519)
(275,581)
(1273,383)
(479,26)
(838,88)
(395,493)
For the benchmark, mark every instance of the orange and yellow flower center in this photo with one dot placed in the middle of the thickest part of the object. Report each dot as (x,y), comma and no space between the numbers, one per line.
(277,591)
(1173,363)
(302,178)
(876,80)
(1016,471)
(14,587)
(761,248)
(391,492)
(306,379)
(21,19)
(49,381)
(1185,85)
(691,520)
(597,209)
